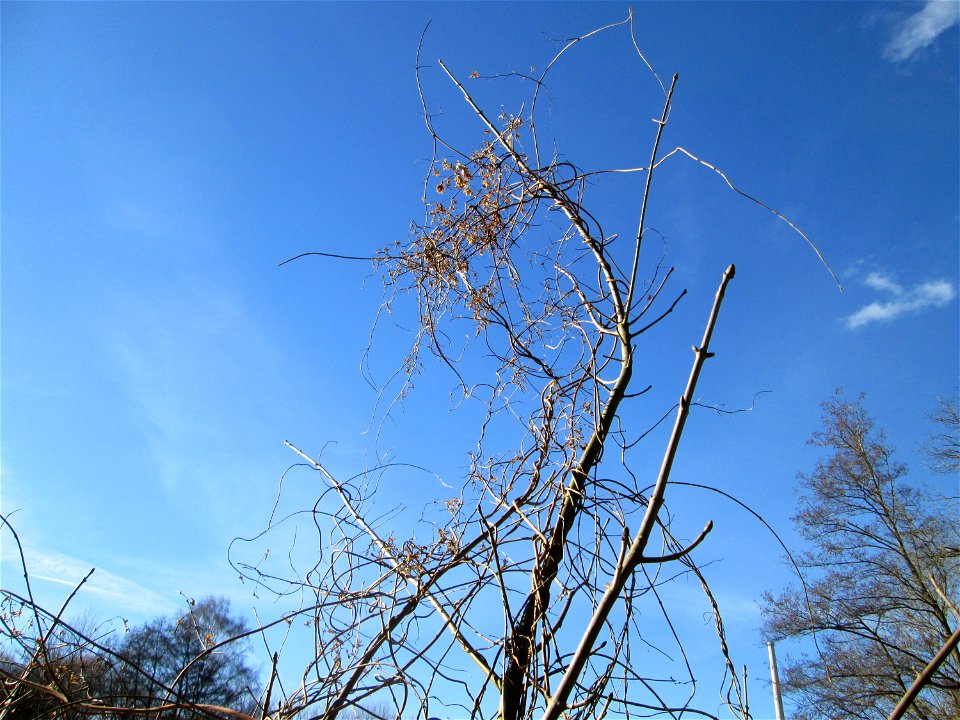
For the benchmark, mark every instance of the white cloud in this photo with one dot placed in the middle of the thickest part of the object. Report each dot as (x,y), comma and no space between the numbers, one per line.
(933,293)
(106,588)
(879,281)
(919,30)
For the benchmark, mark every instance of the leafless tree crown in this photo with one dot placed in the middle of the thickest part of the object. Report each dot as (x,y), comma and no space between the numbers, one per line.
(534,592)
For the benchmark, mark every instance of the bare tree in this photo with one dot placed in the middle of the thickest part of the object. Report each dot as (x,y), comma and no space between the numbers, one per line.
(39,678)
(942,449)
(554,542)
(530,589)
(171,652)
(190,667)
(881,584)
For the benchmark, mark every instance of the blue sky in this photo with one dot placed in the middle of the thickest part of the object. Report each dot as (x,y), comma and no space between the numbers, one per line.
(160,160)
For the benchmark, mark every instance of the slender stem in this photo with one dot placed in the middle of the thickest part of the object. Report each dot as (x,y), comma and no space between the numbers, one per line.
(646,192)
(634,556)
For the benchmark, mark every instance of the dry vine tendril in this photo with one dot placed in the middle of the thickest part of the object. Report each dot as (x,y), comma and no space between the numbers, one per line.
(561,527)
(508,249)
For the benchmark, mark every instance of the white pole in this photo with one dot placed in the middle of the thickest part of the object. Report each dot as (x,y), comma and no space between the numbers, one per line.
(775,679)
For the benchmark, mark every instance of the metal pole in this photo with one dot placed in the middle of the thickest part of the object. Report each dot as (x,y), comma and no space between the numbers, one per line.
(775,679)
(746,701)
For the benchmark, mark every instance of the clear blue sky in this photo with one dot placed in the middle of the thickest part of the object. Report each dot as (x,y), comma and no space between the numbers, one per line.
(159,160)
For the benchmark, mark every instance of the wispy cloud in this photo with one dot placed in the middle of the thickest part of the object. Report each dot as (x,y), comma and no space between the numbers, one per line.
(879,281)
(188,357)
(114,591)
(917,31)
(903,301)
